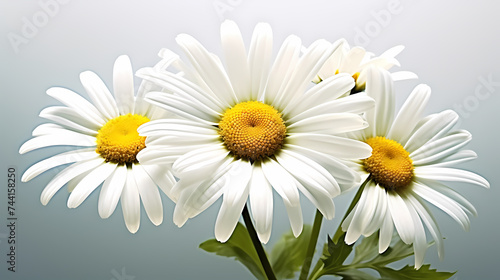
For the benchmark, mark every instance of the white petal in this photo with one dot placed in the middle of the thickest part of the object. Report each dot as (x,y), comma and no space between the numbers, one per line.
(60,159)
(78,103)
(261,203)
(234,200)
(123,85)
(336,146)
(456,158)
(163,177)
(99,94)
(434,151)
(320,198)
(111,191)
(88,184)
(379,86)
(444,203)
(429,221)
(409,114)
(208,68)
(308,172)
(259,59)
(131,203)
(386,231)
(365,210)
(420,242)
(379,214)
(235,56)
(282,68)
(70,119)
(150,196)
(432,129)
(67,174)
(352,60)
(401,217)
(64,138)
(403,75)
(282,181)
(295,218)
(329,123)
(451,175)
(193,161)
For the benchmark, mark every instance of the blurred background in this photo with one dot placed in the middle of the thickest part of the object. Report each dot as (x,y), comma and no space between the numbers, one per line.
(451,45)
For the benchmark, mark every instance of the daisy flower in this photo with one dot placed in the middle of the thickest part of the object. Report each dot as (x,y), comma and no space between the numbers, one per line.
(254,126)
(354,61)
(411,157)
(107,131)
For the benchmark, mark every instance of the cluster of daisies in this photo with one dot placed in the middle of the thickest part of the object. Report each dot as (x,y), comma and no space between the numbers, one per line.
(316,121)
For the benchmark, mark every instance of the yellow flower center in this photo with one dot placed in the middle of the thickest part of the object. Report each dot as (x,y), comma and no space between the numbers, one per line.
(390,164)
(252,130)
(118,140)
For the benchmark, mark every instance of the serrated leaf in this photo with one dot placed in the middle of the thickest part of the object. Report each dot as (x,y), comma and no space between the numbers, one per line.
(240,247)
(337,254)
(289,253)
(409,273)
(398,251)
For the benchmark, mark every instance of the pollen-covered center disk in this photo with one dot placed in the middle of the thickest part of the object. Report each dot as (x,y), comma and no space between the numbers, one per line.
(118,140)
(390,164)
(252,130)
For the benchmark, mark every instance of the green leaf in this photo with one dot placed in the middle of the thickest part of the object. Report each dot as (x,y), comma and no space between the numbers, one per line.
(337,254)
(366,250)
(239,246)
(397,251)
(354,274)
(288,253)
(409,273)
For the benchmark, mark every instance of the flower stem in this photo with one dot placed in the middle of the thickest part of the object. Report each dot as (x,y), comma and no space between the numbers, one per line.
(318,218)
(355,200)
(258,246)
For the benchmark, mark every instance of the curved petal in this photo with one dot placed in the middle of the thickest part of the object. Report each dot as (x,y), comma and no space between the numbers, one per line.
(131,203)
(111,191)
(123,85)
(450,174)
(261,203)
(57,160)
(70,119)
(99,94)
(150,196)
(88,184)
(63,138)
(329,123)
(282,181)
(379,86)
(259,59)
(434,151)
(401,217)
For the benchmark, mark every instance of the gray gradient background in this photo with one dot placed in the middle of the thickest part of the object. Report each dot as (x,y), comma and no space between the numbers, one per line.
(449,44)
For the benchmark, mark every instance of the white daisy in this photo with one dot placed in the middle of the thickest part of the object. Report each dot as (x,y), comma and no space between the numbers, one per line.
(354,61)
(411,157)
(108,131)
(254,126)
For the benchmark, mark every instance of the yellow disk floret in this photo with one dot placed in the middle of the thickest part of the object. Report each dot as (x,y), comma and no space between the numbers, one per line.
(390,164)
(252,130)
(118,140)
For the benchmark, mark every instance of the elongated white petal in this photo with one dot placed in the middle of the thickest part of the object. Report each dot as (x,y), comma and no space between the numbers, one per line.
(333,145)
(282,181)
(100,95)
(111,191)
(67,174)
(57,160)
(78,103)
(234,200)
(131,203)
(386,231)
(379,86)
(64,138)
(434,151)
(352,60)
(431,129)
(150,196)
(295,218)
(261,203)
(198,159)
(329,123)
(235,55)
(444,203)
(208,68)
(409,114)
(123,85)
(450,174)
(163,177)
(379,214)
(456,158)
(259,59)
(367,205)
(401,217)
(420,242)
(70,119)
(88,184)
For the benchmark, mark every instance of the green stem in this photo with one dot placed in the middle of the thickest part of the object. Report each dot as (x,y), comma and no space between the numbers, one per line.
(355,200)
(318,218)
(258,246)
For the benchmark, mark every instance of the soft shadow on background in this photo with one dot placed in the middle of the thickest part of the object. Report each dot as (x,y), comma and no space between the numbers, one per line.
(452,46)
